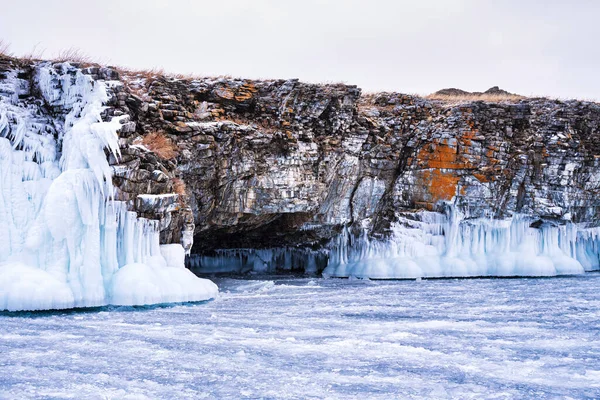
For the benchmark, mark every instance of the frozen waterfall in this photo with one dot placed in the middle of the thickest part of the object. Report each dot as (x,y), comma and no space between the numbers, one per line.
(430,244)
(64,242)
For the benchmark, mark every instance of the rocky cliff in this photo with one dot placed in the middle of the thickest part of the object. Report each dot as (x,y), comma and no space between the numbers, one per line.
(281,174)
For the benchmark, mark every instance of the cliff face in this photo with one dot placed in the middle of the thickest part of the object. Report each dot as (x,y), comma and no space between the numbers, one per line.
(281,174)
(284,164)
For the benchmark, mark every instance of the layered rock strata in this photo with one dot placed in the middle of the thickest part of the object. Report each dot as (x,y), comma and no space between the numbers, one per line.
(281,174)
(303,169)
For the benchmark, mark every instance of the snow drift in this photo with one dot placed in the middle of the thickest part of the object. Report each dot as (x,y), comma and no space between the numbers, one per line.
(64,241)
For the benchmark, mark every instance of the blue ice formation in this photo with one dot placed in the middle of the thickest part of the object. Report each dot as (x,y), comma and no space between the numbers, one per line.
(431,244)
(64,241)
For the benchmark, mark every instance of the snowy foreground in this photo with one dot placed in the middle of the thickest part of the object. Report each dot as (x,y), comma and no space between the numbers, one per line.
(315,338)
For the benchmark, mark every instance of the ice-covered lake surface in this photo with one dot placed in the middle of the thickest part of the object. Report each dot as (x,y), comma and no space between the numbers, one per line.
(320,338)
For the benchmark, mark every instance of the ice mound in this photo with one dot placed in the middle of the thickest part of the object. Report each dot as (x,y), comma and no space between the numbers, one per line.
(28,288)
(140,284)
(174,255)
(64,242)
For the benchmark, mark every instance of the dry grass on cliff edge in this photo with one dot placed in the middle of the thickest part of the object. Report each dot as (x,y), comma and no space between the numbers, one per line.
(470,97)
(36,54)
(5,49)
(75,55)
(160,145)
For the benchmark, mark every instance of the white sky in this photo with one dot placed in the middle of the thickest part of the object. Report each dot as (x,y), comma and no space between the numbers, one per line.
(542,47)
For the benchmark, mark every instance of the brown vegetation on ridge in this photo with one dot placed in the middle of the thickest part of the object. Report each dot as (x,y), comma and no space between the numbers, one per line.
(160,144)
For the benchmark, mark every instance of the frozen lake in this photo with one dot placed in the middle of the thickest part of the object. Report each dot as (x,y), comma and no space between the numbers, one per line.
(316,338)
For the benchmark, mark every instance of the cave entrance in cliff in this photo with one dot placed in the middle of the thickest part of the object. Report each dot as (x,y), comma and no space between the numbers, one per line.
(261,244)
(273,261)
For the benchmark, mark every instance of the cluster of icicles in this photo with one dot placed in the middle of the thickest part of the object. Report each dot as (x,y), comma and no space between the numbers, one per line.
(431,244)
(64,241)
(261,261)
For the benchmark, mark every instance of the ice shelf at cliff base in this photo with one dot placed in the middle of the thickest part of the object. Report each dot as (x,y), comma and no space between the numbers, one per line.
(433,244)
(64,241)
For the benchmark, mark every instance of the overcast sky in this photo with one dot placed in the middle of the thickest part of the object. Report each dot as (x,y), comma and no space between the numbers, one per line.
(542,47)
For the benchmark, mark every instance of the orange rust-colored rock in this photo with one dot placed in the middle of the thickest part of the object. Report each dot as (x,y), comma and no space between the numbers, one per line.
(439,185)
(245,92)
(483,178)
(225,92)
(443,163)
(441,156)
(240,94)
(468,135)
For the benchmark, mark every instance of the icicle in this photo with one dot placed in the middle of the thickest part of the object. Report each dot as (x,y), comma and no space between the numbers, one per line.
(444,245)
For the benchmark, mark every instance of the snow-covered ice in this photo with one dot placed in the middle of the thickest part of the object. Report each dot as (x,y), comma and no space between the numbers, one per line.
(320,339)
